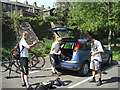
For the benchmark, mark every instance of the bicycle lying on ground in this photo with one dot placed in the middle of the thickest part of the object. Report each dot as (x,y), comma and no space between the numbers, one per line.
(34,61)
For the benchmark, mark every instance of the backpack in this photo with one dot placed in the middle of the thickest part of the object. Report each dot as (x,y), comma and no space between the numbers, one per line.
(44,85)
(48,85)
(16,52)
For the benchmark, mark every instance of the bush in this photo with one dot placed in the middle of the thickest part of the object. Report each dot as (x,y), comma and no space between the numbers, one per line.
(118,40)
(7,47)
(116,53)
(8,33)
(42,51)
(104,41)
(46,46)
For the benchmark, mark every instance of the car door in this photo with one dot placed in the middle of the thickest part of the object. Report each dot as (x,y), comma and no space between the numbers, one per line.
(65,33)
(104,55)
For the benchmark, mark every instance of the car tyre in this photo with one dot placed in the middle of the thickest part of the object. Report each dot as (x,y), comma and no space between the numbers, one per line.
(109,60)
(84,70)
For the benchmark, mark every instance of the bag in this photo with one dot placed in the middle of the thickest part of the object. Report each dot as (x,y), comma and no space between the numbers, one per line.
(58,82)
(45,85)
(16,52)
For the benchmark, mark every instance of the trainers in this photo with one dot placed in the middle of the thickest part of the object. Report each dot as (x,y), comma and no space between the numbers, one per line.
(59,73)
(54,73)
(29,88)
(23,84)
(99,83)
(92,80)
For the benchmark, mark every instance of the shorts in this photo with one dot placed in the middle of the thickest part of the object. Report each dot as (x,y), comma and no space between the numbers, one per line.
(54,60)
(95,65)
(24,65)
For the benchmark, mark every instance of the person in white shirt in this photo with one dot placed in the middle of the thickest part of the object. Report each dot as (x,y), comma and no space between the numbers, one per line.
(54,53)
(95,64)
(24,47)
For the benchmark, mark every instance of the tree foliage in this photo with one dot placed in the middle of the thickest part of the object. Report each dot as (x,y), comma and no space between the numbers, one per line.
(95,16)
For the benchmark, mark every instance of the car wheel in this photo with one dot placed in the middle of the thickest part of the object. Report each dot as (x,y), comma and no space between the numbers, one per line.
(110,59)
(84,70)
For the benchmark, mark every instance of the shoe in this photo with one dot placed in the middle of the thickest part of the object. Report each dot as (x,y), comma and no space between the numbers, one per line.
(54,73)
(23,84)
(29,88)
(92,80)
(59,73)
(99,83)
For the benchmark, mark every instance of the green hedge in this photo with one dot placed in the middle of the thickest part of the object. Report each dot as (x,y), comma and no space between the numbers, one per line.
(116,53)
(8,33)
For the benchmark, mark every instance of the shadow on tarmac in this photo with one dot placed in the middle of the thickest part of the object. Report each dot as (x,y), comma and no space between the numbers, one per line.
(111,80)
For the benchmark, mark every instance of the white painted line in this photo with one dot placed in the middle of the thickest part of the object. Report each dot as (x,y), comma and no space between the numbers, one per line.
(88,78)
(38,70)
(33,72)
(47,68)
(80,82)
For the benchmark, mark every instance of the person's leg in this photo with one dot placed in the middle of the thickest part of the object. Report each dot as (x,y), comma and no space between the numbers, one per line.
(99,73)
(93,74)
(53,69)
(26,80)
(22,72)
(22,77)
(26,73)
(98,65)
(52,61)
(99,76)
(92,66)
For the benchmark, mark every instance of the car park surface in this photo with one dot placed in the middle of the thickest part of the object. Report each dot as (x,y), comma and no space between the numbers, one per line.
(110,78)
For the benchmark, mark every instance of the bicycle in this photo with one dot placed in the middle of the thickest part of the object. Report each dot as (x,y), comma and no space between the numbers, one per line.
(34,61)
(7,64)
(4,62)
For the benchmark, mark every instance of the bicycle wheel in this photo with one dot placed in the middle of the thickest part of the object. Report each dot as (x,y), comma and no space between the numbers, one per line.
(4,63)
(32,57)
(41,61)
(34,61)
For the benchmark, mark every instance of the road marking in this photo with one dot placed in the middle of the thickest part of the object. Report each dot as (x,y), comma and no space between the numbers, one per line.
(39,70)
(33,72)
(89,78)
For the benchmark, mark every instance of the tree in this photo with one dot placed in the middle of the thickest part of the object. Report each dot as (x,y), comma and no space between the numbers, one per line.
(95,16)
(61,11)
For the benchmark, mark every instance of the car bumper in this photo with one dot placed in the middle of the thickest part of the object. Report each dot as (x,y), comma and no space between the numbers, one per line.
(70,66)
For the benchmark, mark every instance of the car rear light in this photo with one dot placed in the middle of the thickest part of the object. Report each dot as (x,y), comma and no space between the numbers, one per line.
(77,47)
(74,68)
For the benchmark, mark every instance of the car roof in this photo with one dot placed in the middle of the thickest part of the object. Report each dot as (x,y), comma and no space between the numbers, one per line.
(69,40)
(60,29)
(82,41)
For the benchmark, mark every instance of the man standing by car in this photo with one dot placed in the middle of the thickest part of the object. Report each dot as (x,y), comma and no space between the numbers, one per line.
(24,47)
(54,53)
(95,64)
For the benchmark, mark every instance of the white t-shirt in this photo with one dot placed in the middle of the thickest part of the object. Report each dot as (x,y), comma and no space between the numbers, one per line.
(96,46)
(56,46)
(24,52)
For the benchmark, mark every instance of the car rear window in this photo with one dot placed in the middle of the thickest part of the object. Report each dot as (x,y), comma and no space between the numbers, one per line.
(68,45)
(86,46)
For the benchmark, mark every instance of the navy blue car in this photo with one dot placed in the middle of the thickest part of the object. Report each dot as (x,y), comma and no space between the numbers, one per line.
(76,52)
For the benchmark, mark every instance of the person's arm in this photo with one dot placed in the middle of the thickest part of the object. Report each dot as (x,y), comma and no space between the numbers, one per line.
(30,46)
(55,52)
(93,53)
(100,49)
